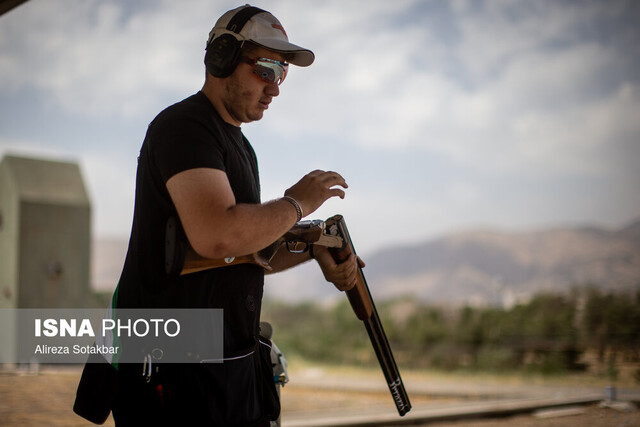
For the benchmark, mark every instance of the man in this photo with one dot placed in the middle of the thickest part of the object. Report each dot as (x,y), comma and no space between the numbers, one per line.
(196,167)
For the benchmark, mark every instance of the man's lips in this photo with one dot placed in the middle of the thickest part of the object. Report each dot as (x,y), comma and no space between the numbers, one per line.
(264,103)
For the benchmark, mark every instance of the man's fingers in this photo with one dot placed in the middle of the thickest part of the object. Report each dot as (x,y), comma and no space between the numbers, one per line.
(314,173)
(317,187)
(347,272)
(333,178)
(336,192)
(347,286)
(342,275)
(328,178)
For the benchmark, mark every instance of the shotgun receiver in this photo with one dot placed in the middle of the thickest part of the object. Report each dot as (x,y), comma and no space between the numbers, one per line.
(364,308)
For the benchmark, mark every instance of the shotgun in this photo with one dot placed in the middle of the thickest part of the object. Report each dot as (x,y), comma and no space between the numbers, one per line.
(332,233)
(364,308)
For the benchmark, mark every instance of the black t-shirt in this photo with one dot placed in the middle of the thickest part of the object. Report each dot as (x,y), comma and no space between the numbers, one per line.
(188,135)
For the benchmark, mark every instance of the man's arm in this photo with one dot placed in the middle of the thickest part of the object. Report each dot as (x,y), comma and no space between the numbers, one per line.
(343,275)
(284,260)
(217,227)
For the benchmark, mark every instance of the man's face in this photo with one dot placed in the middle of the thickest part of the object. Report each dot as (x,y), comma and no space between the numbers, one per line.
(247,96)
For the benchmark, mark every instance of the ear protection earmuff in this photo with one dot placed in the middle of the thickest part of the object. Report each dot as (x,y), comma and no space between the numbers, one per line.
(223,52)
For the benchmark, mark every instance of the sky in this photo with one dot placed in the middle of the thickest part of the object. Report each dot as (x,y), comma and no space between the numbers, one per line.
(441,115)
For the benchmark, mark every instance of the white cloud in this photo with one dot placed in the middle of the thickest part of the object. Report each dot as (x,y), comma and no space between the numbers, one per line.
(532,100)
(94,59)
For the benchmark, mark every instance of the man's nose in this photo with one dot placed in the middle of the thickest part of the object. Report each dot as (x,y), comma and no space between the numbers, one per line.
(272,89)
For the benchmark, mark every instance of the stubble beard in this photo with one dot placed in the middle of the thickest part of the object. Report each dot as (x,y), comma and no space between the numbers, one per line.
(240,103)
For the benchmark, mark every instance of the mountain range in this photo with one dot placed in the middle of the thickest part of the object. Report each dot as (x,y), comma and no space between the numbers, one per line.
(477,267)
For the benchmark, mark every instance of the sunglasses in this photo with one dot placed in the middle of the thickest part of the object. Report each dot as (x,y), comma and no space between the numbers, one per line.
(269,70)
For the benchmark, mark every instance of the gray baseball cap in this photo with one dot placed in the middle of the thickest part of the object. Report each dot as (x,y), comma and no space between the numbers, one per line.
(264,30)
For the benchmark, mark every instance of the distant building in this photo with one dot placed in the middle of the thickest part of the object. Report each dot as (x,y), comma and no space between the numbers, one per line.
(45,222)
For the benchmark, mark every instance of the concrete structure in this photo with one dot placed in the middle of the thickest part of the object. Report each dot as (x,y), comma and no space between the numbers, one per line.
(45,235)
(45,221)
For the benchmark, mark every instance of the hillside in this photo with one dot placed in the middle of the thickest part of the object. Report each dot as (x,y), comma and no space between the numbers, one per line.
(499,268)
(489,266)
(477,267)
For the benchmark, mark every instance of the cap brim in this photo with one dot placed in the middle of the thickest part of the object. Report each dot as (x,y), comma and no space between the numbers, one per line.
(301,57)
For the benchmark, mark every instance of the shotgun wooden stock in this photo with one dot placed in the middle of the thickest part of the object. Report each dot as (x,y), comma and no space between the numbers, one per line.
(364,308)
(194,262)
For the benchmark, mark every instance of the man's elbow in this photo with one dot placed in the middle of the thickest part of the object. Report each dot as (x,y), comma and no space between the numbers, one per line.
(206,248)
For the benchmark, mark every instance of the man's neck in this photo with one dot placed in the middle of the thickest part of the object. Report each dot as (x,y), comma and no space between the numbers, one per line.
(210,91)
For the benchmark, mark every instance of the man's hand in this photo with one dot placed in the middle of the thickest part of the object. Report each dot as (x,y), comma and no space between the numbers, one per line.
(315,188)
(343,275)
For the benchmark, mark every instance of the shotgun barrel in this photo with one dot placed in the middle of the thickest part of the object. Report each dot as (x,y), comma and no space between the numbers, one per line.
(364,308)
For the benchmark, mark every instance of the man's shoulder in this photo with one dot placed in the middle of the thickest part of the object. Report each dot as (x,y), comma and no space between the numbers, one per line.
(194,106)
(194,113)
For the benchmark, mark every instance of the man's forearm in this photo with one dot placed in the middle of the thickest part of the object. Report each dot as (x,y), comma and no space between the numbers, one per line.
(243,229)
(284,260)
(218,227)
(251,227)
